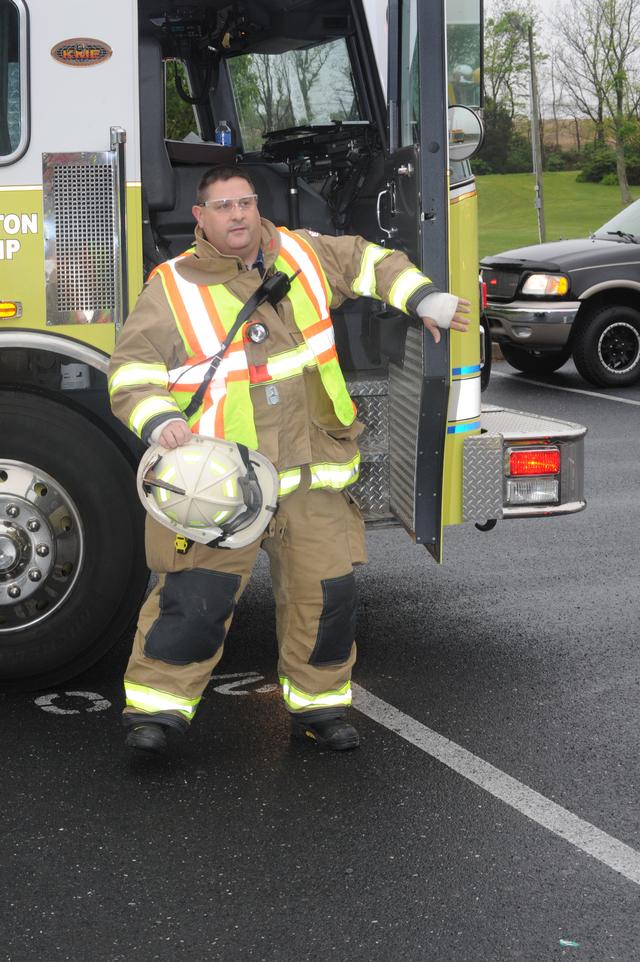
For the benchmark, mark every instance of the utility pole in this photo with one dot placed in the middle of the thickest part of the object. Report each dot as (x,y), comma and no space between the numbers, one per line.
(536,148)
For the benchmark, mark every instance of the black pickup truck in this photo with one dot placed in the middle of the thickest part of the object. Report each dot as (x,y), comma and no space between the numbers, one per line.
(577,298)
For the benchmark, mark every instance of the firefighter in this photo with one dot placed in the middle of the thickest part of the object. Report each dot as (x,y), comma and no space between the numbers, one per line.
(279,390)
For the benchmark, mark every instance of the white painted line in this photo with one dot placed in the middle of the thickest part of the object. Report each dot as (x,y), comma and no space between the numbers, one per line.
(571,390)
(584,836)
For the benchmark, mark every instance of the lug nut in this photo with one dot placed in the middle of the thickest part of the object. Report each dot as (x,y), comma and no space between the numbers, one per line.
(14,591)
(13,510)
(35,574)
(42,550)
(33,524)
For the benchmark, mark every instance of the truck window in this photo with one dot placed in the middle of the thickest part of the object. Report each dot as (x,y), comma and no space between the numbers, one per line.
(464,52)
(294,89)
(179,117)
(13,80)
(409,75)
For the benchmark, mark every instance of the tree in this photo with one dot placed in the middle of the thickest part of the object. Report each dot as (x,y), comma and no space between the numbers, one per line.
(307,65)
(506,56)
(598,64)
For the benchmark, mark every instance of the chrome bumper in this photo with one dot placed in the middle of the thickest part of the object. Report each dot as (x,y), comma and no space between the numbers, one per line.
(540,325)
(484,484)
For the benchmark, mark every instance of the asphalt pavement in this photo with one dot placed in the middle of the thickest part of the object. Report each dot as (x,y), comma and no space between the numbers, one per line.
(490,814)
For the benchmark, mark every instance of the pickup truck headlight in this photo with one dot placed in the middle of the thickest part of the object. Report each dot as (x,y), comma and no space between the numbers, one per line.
(550,285)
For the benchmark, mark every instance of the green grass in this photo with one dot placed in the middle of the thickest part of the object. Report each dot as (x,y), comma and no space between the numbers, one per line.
(508,218)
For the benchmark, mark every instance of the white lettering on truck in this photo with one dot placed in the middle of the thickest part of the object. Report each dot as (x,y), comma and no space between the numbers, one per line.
(15,224)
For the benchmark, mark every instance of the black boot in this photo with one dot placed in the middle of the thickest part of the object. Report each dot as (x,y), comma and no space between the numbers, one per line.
(327,731)
(148,737)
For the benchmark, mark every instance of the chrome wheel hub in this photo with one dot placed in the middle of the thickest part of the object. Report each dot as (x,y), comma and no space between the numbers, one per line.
(41,545)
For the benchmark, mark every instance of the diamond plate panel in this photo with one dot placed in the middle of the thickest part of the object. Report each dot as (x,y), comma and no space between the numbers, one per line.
(371,492)
(518,426)
(373,412)
(482,477)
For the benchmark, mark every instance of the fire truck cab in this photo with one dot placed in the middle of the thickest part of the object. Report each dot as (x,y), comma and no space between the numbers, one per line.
(338,112)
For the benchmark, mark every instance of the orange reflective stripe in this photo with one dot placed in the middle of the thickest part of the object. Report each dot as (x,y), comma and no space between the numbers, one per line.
(319,327)
(303,280)
(329,355)
(212,311)
(313,257)
(178,308)
(219,429)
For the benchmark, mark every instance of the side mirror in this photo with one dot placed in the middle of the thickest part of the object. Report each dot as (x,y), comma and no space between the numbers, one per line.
(466,133)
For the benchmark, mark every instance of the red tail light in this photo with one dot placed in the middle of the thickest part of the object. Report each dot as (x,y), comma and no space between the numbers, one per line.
(533,461)
(483,288)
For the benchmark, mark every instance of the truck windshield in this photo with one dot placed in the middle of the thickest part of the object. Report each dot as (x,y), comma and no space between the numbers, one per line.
(626,222)
(293,89)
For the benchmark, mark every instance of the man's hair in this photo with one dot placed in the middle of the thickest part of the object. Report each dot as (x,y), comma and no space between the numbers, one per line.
(214,174)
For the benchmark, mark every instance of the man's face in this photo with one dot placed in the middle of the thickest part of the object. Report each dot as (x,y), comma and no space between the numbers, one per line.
(235,231)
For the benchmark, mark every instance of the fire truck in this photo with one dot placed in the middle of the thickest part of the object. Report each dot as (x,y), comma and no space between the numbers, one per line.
(338,111)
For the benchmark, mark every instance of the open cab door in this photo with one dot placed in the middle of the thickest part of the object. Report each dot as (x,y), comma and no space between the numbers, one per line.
(413,214)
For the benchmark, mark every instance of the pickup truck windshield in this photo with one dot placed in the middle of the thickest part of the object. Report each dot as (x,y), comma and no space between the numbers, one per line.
(626,223)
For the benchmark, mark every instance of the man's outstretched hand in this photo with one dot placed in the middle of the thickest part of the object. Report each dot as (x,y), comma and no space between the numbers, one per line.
(459,321)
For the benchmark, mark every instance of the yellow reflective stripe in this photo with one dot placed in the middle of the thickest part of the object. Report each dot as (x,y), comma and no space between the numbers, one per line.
(152,700)
(290,362)
(298,700)
(148,409)
(289,481)
(336,476)
(365,282)
(405,285)
(136,375)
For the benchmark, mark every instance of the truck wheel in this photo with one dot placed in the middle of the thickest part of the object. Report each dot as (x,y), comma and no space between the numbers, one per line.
(72,569)
(534,362)
(607,346)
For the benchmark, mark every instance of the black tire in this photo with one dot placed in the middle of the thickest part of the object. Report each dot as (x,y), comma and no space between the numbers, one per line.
(606,347)
(49,637)
(534,362)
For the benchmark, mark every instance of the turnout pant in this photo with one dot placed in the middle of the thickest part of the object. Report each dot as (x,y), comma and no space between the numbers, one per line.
(313,541)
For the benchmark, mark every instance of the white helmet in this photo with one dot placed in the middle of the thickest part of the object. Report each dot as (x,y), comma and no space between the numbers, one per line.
(211,491)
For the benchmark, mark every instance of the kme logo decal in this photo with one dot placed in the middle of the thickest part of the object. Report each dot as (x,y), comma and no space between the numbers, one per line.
(81,52)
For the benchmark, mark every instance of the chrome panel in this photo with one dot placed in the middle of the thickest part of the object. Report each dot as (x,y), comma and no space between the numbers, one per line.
(82,224)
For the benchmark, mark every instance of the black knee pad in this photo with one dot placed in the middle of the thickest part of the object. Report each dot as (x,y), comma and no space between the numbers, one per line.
(337,625)
(194,606)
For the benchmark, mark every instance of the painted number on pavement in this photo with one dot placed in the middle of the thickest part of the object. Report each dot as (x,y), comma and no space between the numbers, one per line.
(97,702)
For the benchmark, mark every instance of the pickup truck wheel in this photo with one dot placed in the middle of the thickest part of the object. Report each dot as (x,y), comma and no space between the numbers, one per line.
(72,569)
(607,346)
(534,362)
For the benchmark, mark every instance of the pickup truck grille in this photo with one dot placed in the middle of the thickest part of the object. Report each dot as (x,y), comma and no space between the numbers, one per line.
(501,285)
